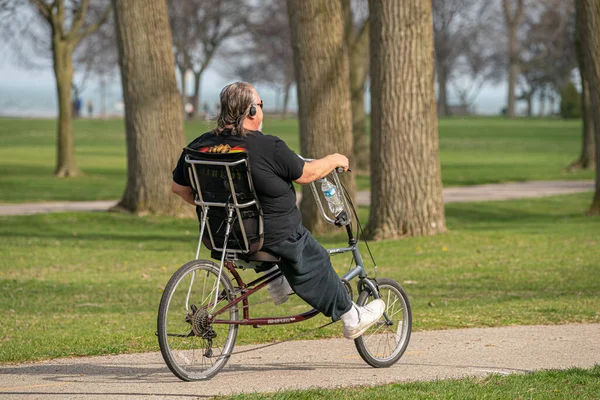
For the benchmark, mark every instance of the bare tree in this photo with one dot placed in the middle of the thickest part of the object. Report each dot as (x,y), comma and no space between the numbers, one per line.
(321,65)
(588,16)
(466,52)
(153,119)
(54,29)
(267,58)
(547,56)
(406,187)
(587,158)
(97,59)
(449,38)
(480,60)
(200,27)
(356,19)
(513,17)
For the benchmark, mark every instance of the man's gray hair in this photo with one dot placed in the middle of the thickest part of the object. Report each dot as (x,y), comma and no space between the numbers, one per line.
(236,100)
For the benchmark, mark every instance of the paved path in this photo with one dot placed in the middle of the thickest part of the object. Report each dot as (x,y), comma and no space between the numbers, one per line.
(501,191)
(304,364)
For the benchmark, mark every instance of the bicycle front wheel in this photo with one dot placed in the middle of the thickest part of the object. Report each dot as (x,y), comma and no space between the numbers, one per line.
(193,348)
(384,343)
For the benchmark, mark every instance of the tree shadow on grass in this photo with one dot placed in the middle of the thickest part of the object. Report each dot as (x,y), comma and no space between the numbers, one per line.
(109,237)
(508,216)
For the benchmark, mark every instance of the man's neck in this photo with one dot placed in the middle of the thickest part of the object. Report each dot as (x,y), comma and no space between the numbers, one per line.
(249,126)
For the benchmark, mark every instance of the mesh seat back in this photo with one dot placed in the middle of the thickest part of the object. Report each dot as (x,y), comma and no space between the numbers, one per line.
(219,180)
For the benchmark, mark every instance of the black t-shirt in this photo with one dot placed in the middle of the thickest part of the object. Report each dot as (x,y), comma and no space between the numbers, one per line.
(274,166)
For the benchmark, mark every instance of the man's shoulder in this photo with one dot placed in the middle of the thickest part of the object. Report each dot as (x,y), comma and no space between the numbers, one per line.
(261,137)
(202,140)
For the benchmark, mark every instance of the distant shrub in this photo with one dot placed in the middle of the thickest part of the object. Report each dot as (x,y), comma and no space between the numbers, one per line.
(570,102)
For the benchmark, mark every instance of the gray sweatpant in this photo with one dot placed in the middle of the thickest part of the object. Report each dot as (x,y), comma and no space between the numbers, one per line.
(307,267)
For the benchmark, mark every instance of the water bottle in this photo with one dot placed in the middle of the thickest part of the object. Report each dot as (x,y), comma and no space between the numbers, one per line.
(336,205)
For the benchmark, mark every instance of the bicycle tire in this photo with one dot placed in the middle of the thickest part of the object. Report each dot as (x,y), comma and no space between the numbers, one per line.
(185,351)
(382,345)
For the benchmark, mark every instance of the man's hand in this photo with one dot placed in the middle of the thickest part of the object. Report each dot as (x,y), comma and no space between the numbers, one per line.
(341,160)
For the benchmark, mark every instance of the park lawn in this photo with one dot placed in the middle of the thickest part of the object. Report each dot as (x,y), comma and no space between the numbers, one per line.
(573,383)
(472,151)
(90,283)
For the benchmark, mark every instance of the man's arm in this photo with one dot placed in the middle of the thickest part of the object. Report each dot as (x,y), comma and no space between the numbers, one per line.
(317,169)
(185,192)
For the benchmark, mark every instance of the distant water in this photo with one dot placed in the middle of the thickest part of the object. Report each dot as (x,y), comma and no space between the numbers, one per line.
(42,102)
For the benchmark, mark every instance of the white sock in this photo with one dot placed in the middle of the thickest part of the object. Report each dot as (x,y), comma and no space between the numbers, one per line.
(350,317)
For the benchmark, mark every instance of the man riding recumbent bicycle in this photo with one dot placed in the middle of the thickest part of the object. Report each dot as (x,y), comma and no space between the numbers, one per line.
(241,183)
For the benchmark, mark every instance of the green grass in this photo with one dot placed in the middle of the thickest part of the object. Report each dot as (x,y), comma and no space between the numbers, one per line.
(90,283)
(472,151)
(574,383)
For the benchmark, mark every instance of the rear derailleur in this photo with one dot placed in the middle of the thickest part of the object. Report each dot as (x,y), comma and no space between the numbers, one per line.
(201,327)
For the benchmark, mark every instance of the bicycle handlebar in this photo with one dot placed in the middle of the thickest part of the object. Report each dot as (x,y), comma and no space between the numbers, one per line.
(339,170)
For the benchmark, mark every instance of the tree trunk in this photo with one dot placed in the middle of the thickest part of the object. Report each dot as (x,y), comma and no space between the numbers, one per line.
(587,157)
(152,107)
(196,96)
(286,98)
(406,187)
(66,165)
(359,70)
(512,22)
(552,101)
(542,103)
(442,103)
(529,100)
(182,73)
(588,15)
(102,96)
(357,42)
(361,147)
(321,67)
(513,72)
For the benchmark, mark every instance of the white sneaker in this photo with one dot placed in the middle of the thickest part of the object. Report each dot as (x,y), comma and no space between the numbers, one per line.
(367,316)
(279,289)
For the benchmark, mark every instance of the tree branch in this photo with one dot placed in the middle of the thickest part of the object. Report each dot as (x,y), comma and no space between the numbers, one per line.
(44,9)
(98,24)
(60,17)
(78,19)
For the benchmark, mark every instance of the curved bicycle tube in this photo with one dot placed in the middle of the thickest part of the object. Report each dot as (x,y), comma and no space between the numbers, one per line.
(192,347)
(383,344)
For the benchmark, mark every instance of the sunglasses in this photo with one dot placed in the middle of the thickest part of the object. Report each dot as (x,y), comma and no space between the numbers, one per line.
(260,104)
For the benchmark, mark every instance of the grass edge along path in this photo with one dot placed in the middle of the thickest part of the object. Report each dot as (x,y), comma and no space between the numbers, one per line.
(546,384)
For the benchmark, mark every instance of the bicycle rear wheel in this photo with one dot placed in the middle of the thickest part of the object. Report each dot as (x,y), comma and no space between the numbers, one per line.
(383,344)
(192,347)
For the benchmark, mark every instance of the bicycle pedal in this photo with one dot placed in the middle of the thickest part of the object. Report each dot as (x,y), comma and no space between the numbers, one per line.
(256,326)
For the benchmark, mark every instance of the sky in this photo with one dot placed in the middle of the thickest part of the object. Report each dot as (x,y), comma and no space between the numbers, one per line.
(32,93)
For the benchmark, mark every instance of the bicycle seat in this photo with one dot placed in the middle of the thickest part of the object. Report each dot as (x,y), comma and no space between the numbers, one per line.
(259,256)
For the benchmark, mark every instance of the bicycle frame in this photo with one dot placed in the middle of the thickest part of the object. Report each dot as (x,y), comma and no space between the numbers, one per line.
(243,290)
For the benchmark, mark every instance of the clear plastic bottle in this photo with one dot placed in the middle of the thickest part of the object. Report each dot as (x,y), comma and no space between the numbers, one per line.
(336,205)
